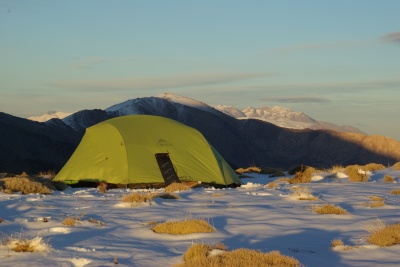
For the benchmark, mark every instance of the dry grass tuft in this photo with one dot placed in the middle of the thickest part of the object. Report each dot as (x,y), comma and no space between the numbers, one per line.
(272,185)
(283,179)
(248,170)
(373,167)
(329,209)
(189,226)
(2,220)
(98,222)
(337,243)
(395,191)
(102,187)
(69,221)
(375,202)
(201,255)
(384,235)
(356,174)
(336,169)
(138,198)
(22,244)
(396,166)
(26,185)
(167,196)
(302,193)
(175,187)
(48,174)
(303,176)
(388,179)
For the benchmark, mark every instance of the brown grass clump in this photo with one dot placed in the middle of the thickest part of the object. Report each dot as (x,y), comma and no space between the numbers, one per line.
(337,243)
(303,176)
(98,222)
(388,179)
(373,167)
(102,187)
(329,209)
(189,226)
(249,169)
(384,236)
(48,174)
(272,185)
(396,166)
(174,187)
(283,179)
(336,169)
(302,193)
(138,198)
(69,221)
(395,191)
(25,185)
(22,244)
(200,255)
(375,202)
(355,175)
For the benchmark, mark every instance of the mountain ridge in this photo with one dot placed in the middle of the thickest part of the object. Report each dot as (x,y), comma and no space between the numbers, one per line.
(240,142)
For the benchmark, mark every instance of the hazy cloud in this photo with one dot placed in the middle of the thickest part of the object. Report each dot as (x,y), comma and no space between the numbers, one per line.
(297,99)
(187,80)
(393,37)
(85,64)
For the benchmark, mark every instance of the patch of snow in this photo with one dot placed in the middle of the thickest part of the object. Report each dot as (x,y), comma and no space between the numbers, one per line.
(50,115)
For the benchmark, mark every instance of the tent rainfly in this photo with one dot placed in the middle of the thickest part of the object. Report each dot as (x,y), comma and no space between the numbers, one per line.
(145,150)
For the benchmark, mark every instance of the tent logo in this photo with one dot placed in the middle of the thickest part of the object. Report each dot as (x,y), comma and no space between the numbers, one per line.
(163,142)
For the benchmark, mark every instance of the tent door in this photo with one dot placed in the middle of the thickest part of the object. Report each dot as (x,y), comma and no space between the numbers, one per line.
(167,168)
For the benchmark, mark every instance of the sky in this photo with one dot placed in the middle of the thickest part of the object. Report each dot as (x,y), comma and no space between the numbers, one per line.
(336,61)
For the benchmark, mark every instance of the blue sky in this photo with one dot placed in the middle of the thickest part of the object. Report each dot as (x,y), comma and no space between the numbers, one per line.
(337,61)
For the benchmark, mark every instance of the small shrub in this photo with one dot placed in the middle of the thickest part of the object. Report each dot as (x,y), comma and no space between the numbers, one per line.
(69,221)
(174,187)
(337,243)
(329,209)
(102,187)
(336,169)
(48,174)
(22,244)
(302,193)
(99,223)
(395,191)
(189,226)
(272,185)
(249,169)
(356,174)
(373,167)
(137,198)
(384,236)
(303,176)
(2,220)
(25,186)
(396,166)
(388,179)
(200,255)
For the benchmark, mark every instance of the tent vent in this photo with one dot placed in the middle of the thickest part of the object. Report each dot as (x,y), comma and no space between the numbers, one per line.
(167,168)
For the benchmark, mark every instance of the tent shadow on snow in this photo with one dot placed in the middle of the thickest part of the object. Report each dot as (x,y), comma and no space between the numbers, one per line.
(145,151)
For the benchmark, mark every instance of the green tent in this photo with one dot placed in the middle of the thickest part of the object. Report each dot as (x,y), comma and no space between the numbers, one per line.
(144,150)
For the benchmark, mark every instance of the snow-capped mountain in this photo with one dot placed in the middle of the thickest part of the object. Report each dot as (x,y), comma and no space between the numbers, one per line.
(283,117)
(36,146)
(50,115)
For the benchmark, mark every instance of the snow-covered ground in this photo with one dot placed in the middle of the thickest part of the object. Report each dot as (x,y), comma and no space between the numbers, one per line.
(252,216)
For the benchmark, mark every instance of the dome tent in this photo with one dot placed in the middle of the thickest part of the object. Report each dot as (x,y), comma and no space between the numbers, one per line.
(145,150)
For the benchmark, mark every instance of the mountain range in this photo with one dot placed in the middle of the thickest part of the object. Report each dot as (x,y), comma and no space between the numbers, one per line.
(32,146)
